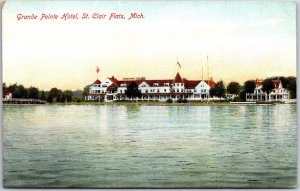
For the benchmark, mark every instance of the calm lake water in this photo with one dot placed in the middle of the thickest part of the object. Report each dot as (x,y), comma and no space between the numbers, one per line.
(94,146)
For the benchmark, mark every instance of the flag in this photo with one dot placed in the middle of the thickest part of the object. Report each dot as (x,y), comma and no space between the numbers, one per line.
(97,69)
(178,64)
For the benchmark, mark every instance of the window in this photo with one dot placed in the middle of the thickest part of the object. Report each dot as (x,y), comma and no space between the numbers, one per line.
(165,90)
(166,84)
(104,85)
(155,84)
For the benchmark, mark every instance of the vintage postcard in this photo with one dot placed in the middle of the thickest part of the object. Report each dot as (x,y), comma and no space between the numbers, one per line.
(149,94)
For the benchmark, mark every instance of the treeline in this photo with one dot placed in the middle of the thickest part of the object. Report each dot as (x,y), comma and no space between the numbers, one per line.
(54,95)
(248,87)
(234,88)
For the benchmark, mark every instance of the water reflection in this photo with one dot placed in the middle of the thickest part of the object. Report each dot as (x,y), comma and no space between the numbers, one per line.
(149,146)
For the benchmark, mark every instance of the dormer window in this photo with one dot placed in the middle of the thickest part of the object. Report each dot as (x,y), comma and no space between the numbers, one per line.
(166,84)
(155,84)
(123,85)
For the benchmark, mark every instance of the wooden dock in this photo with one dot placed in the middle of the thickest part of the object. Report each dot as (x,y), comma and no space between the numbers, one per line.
(23,101)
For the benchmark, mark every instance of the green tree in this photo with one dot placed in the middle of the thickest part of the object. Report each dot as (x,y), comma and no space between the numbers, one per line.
(242,95)
(12,89)
(55,95)
(86,90)
(33,92)
(133,91)
(218,90)
(292,86)
(18,91)
(268,85)
(67,95)
(233,88)
(42,95)
(212,92)
(4,88)
(249,86)
(284,81)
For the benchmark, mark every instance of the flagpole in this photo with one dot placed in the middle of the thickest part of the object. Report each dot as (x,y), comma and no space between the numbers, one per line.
(207,69)
(202,71)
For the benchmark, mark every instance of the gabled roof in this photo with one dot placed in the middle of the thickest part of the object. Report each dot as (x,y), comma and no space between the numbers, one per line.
(276,83)
(190,84)
(211,83)
(114,81)
(177,78)
(258,83)
(146,82)
(6,91)
(97,82)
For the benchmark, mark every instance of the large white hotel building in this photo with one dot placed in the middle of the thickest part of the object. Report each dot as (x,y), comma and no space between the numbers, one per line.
(112,89)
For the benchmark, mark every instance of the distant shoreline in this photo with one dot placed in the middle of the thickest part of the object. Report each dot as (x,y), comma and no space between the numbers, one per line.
(158,103)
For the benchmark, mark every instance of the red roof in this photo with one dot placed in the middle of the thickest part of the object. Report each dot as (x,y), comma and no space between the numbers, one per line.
(190,84)
(97,82)
(276,83)
(258,83)
(114,81)
(211,83)
(177,79)
(6,91)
